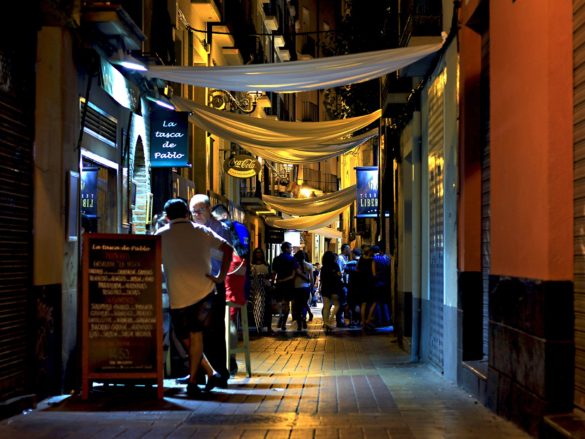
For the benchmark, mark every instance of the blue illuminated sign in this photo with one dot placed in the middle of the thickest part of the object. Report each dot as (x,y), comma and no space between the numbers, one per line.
(169,139)
(367,191)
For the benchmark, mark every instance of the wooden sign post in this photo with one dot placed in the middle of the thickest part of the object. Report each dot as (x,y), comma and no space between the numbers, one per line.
(121,309)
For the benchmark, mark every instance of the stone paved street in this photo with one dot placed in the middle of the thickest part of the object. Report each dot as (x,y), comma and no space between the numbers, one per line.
(344,385)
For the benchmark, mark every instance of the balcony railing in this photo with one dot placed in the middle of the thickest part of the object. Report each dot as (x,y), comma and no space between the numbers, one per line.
(420,18)
(310,112)
(308,46)
(320,180)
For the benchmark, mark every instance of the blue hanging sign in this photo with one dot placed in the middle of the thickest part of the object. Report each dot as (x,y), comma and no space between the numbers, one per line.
(169,139)
(89,180)
(367,191)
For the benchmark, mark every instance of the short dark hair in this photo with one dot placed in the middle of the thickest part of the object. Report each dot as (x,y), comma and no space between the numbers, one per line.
(176,208)
(220,209)
(285,245)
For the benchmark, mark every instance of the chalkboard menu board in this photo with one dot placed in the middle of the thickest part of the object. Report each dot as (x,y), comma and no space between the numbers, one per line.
(122,309)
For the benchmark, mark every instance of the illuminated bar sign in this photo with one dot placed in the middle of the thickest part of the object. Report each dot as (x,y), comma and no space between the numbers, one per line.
(89,180)
(169,139)
(367,191)
(241,166)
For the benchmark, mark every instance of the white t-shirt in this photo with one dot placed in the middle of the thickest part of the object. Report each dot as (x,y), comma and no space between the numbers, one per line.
(307,269)
(186,256)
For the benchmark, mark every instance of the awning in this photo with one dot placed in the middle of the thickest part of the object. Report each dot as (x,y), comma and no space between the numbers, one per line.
(269,133)
(309,222)
(297,76)
(312,206)
(328,232)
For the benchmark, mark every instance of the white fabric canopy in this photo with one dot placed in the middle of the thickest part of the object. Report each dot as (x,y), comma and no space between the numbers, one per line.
(296,76)
(313,153)
(312,206)
(328,232)
(270,133)
(310,222)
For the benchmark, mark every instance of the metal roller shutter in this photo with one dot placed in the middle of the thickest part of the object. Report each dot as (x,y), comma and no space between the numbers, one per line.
(16,202)
(436,216)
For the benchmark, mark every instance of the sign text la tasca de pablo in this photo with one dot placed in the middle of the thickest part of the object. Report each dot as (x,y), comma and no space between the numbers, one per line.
(241,166)
(169,139)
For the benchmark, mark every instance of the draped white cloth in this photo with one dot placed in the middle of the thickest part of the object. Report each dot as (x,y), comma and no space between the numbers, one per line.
(270,133)
(310,153)
(312,206)
(309,222)
(296,76)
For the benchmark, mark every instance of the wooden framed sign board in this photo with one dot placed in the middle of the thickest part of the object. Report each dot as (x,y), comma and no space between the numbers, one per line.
(121,309)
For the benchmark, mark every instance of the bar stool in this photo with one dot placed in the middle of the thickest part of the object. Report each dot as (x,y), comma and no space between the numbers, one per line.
(245,333)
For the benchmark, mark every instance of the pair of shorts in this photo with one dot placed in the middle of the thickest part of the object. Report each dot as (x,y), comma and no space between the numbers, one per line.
(192,318)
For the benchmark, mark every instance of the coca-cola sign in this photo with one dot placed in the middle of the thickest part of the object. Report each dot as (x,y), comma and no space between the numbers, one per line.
(241,166)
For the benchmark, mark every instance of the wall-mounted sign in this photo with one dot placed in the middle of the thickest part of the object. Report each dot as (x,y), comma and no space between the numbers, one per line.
(241,166)
(367,191)
(123,91)
(169,140)
(274,236)
(89,177)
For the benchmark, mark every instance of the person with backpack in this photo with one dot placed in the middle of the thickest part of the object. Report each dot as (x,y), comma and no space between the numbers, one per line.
(237,280)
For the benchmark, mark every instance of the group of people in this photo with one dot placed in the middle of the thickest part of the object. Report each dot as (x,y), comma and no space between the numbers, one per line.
(354,287)
(205,259)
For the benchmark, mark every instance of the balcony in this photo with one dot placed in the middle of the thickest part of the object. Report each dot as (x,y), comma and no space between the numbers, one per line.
(420,22)
(114,23)
(271,17)
(321,181)
(395,95)
(310,112)
(207,10)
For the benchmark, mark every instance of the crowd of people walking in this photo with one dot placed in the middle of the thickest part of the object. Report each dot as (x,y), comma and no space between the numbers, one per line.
(207,263)
(353,288)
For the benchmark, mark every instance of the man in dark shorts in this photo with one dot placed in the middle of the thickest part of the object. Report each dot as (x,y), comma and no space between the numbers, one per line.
(186,256)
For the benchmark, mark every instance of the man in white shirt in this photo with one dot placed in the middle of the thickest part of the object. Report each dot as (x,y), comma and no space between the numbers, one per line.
(186,256)
(215,349)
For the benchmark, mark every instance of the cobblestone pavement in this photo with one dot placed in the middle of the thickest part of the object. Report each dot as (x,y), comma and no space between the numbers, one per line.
(304,385)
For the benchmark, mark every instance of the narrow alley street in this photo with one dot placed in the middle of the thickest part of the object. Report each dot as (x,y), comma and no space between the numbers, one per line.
(304,385)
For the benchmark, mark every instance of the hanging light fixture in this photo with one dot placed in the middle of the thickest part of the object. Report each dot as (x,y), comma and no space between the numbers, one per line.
(127,61)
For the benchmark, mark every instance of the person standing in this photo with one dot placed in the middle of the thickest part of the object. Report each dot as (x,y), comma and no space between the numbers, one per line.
(381,274)
(237,284)
(330,288)
(342,260)
(303,281)
(214,336)
(284,269)
(263,289)
(365,270)
(186,256)
(353,287)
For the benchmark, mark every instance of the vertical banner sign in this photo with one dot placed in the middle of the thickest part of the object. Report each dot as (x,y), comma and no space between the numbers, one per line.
(89,179)
(367,191)
(121,309)
(169,139)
